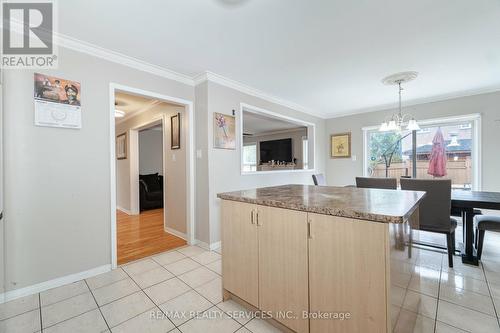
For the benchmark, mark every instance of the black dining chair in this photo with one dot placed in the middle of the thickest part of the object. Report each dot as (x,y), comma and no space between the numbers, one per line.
(485,223)
(434,212)
(373,182)
(319,179)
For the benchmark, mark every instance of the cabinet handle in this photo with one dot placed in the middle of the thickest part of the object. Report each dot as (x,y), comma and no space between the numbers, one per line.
(258,220)
(309,232)
(253,216)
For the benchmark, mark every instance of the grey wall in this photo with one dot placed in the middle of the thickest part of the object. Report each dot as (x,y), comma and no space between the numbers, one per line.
(202,175)
(150,151)
(174,171)
(224,165)
(57,193)
(343,171)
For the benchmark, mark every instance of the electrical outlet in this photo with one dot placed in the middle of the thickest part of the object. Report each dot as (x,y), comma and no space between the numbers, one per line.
(174,158)
(198,154)
(354,158)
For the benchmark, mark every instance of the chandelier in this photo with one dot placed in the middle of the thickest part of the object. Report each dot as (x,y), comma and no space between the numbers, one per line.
(398,120)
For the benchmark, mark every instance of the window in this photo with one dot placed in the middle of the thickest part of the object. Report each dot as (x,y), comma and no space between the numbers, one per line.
(250,157)
(272,142)
(390,154)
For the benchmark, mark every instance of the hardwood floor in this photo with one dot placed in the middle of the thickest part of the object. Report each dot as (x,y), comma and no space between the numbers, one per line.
(139,236)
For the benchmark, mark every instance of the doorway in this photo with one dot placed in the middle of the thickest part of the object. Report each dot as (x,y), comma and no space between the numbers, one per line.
(150,165)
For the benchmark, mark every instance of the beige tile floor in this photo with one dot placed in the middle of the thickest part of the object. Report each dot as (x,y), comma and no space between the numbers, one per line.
(180,291)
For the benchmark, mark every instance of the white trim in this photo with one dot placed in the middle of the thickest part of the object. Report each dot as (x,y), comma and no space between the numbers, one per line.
(246,89)
(206,246)
(175,232)
(419,101)
(215,246)
(119,58)
(125,60)
(133,180)
(202,244)
(190,182)
(477,181)
(311,127)
(126,211)
(439,120)
(39,287)
(134,163)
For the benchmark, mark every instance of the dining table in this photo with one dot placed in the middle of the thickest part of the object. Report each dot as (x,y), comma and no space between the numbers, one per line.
(466,202)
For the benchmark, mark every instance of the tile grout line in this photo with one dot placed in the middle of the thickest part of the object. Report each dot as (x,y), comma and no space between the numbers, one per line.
(439,293)
(89,290)
(191,289)
(491,295)
(155,305)
(98,307)
(40,309)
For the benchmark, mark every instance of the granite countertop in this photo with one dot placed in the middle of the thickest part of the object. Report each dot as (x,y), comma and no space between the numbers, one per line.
(389,206)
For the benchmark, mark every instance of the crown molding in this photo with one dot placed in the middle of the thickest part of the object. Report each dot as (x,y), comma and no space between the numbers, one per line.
(224,81)
(418,101)
(122,59)
(119,58)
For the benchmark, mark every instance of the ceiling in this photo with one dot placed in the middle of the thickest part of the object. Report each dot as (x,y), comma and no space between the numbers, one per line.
(254,123)
(327,56)
(133,103)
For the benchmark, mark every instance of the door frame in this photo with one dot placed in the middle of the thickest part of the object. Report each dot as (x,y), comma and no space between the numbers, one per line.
(190,179)
(133,135)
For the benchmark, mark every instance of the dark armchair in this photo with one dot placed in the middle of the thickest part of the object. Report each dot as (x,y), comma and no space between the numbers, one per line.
(151,191)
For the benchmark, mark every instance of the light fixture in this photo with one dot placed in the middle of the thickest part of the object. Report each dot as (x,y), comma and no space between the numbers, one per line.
(119,114)
(397,120)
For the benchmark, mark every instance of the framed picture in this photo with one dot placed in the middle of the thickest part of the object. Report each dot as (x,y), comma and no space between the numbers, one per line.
(224,131)
(121,146)
(340,145)
(175,131)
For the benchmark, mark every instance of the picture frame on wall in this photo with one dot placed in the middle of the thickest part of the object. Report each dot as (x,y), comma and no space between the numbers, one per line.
(175,131)
(121,146)
(340,145)
(224,131)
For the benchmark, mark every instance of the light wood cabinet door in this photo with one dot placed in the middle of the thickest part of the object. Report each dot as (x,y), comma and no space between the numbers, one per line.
(348,263)
(283,287)
(240,268)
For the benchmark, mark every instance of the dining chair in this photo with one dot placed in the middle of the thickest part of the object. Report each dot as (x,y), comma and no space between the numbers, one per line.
(373,182)
(485,223)
(434,211)
(319,179)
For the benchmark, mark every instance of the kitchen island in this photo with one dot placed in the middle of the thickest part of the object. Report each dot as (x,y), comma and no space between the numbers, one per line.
(316,258)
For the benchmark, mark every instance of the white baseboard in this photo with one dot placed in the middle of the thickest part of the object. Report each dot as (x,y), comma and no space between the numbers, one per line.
(215,246)
(126,211)
(176,233)
(36,288)
(206,246)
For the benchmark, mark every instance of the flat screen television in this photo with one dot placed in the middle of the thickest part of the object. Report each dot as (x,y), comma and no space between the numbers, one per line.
(277,150)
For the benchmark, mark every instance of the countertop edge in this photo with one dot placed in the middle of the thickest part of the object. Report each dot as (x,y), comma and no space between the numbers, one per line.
(325,210)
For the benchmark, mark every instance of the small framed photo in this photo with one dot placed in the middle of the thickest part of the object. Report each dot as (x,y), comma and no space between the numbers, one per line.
(340,145)
(175,131)
(121,146)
